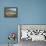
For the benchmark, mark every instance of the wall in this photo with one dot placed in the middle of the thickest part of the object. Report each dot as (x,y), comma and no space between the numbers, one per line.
(29,12)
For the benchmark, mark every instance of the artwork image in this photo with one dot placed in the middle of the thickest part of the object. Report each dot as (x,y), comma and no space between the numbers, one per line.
(10,12)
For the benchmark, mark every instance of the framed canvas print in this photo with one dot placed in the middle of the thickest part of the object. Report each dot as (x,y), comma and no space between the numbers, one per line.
(10,12)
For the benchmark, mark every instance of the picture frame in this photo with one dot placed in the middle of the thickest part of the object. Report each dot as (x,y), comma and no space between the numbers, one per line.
(10,12)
